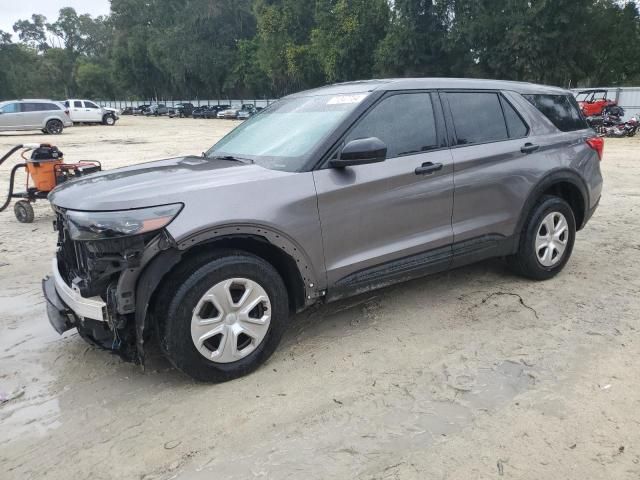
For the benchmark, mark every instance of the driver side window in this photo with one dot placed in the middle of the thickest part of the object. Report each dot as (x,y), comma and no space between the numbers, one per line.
(404,122)
(11,108)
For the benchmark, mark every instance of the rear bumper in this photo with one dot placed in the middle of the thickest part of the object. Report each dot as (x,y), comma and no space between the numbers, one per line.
(64,304)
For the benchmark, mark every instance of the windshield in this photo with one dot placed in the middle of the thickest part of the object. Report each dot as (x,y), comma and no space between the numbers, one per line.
(283,136)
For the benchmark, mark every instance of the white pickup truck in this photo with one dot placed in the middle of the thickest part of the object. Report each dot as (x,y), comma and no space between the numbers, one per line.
(86,111)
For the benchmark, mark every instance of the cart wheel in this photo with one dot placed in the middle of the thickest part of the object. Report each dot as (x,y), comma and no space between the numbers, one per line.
(24,211)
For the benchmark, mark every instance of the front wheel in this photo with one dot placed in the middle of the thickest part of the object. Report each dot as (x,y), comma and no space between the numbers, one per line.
(23,211)
(54,127)
(225,319)
(547,240)
(109,120)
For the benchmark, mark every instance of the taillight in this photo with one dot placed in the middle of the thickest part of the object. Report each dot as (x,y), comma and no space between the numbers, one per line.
(596,143)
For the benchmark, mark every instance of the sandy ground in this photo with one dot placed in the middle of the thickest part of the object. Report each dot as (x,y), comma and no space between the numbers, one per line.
(474,374)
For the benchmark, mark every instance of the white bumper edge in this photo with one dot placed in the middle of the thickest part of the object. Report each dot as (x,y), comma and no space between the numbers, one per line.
(94,308)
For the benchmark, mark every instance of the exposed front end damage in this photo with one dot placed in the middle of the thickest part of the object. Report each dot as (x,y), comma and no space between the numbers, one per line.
(93,286)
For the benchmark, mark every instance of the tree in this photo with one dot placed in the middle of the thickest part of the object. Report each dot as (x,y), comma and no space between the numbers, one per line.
(346,36)
(415,44)
(33,33)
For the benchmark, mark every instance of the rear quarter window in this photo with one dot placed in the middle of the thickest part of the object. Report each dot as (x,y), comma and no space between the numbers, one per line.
(561,110)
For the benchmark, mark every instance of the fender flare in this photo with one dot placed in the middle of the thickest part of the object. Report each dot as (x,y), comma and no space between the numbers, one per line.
(554,177)
(275,237)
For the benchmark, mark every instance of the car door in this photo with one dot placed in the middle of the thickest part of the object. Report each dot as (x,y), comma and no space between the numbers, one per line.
(92,111)
(389,221)
(76,110)
(492,153)
(33,114)
(10,116)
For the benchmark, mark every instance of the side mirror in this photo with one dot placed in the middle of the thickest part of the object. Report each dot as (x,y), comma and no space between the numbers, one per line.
(361,152)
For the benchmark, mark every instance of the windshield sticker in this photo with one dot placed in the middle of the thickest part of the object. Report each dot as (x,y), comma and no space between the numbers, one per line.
(346,99)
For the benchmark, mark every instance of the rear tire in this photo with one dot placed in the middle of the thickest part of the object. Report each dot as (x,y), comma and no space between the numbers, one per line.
(23,211)
(54,127)
(212,335)
(547,240)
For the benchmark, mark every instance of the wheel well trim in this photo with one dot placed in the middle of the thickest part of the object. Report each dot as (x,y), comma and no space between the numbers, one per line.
(164,261)
(553,178)
(273,236)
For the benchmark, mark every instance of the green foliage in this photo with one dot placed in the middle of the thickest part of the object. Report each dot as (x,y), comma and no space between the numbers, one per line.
(346,36)
(258,48)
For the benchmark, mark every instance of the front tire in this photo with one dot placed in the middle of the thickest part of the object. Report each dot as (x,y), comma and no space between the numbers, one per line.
(226,317)
(109,120)
(54,127)
(547,240)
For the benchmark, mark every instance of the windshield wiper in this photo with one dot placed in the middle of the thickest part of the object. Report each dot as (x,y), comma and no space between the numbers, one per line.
(232,158)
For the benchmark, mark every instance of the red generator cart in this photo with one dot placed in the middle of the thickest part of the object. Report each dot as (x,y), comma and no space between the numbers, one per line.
(45,170)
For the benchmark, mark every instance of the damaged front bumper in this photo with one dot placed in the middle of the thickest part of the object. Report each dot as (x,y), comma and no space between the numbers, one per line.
(65,305)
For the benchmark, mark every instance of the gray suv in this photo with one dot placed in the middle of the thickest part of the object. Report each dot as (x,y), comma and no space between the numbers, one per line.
(325,194)
(45,115)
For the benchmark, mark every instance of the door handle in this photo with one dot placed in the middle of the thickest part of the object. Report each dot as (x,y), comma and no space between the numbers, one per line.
(428,168)
(529,148)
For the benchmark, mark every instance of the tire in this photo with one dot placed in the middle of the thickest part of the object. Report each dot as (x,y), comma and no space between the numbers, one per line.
(54,127)
(109,120)
(182,308)
(23,211)
(535,258)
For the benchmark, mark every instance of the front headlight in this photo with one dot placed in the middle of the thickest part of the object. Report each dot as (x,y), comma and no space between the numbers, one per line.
(122,223)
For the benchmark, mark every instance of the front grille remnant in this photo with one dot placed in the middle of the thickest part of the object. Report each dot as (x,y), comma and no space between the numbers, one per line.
(92,266)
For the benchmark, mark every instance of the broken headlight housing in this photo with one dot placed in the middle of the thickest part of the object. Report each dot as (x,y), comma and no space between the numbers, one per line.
(122,223)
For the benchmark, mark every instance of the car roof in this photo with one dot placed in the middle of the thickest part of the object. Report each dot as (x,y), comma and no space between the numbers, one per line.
(593,90)
(390,84)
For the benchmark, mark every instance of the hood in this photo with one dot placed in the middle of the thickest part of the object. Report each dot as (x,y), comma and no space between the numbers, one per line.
(154,183)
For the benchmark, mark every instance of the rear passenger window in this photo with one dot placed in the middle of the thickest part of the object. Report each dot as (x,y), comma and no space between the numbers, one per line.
(32,107)
(404,122)
(51,106)
(515,125)
(77,104)
(562,110)
(477,117)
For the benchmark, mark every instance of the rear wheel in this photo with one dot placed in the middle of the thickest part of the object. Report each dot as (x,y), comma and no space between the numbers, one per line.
(23,211)
(54,127)
(546,243)
(225,319)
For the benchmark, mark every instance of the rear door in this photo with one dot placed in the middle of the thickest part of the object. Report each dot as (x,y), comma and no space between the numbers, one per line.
(389,221)
(491,153)
(33,114)
(76,111)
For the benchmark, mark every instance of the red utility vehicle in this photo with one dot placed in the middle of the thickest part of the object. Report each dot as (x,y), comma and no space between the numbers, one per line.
(593,102)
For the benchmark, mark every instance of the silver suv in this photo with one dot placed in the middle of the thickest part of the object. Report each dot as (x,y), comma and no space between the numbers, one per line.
(45,115)
(325,194)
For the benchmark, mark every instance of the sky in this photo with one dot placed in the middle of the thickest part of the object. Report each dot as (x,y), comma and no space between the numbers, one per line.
(13,10)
